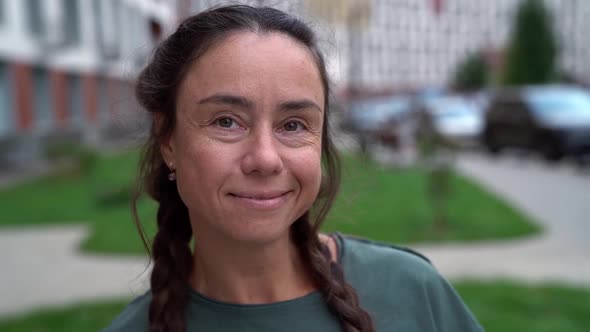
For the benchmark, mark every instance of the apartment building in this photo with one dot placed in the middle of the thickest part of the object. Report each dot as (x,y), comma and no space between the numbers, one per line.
(411,44)
(66,65)
(418,43)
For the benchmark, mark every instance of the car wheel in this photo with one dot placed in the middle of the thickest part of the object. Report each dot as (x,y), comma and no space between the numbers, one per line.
(551,151)
(490,143)
(583,160)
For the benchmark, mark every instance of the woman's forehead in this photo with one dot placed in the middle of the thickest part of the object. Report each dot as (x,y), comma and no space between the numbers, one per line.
(256,65)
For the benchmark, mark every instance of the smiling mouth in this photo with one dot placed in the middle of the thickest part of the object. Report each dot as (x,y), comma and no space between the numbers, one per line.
(263,196)
(265,201)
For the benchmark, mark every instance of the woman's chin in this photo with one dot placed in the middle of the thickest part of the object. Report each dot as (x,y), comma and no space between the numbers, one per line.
(259,233)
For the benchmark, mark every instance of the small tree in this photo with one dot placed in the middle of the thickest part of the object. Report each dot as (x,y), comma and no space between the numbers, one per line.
(437,156)
(533,49)
(471,74)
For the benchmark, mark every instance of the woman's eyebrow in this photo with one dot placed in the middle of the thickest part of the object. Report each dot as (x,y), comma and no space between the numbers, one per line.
(233,100)
(228,100)
(296,105)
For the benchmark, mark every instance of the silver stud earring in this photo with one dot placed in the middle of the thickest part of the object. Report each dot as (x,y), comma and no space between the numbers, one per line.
(172,174)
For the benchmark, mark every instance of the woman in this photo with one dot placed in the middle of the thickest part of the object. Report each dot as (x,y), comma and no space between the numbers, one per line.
(240,161)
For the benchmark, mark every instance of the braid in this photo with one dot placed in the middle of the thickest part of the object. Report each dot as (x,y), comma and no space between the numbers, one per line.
(340,297)
(172,262)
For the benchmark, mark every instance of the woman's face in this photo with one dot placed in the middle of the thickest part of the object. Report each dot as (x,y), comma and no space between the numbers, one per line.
(247,143)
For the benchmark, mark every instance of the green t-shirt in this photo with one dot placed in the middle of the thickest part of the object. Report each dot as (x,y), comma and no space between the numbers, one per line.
(399,288)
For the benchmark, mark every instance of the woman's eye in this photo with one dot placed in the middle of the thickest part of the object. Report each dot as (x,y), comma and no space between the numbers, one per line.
(225,122)
(292,126)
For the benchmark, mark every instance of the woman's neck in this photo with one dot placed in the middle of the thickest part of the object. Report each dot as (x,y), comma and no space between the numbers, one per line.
(235,272)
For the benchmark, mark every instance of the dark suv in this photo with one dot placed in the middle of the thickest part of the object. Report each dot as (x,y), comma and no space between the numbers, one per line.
(553,120)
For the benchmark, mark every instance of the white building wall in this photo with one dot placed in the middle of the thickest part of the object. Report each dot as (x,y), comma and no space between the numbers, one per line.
(122,25)
(404,44)
(419,48)
(17,41)
(82,56)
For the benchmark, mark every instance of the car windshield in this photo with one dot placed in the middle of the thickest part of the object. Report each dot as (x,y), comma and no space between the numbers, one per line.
(369,114)
(379,109)
(451,108)
(561,103)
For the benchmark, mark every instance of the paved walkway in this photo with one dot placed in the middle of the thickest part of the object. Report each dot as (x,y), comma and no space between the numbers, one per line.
(556,196)
(41,267)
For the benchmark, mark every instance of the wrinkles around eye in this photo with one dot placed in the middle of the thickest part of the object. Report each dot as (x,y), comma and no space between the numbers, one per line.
(303,136)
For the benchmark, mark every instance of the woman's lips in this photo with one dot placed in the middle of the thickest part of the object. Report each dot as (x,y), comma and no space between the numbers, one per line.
(261,201)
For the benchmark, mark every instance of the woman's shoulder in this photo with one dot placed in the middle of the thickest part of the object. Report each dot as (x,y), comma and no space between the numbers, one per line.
(402,288)
(134,317)
(360,254)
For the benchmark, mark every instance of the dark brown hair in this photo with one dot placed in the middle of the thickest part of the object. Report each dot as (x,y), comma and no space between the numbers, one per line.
(156,90)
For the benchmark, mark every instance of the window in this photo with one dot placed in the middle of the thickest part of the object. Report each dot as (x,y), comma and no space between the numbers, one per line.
(2,18)
(42,102)
(75,100)
(72,22)
(34,17)
(99,22)
(103,101)
(6,104)
(107,21)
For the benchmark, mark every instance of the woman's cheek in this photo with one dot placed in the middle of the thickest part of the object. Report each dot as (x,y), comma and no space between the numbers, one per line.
(309,166)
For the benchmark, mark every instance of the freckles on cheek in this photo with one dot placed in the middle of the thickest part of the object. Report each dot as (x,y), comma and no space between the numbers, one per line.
(309,166)
(207,159)
(191,151)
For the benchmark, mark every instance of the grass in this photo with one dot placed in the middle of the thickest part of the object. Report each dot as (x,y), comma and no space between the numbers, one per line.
(81,317)
(505,306)
(499,306)
(392,206)
(69,197)
(375,202)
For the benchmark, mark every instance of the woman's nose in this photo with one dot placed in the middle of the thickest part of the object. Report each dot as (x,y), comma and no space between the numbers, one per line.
(262,155)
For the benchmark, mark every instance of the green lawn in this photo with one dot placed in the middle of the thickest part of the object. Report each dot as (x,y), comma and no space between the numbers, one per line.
(505,306)
(375,202)
(499,306)
(81,317)
(100,199)
(392,206)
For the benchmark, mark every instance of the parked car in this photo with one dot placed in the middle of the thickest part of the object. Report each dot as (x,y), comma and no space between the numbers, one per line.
(553,120)
(457,119)
(480,99)
(369,115)
(375,119)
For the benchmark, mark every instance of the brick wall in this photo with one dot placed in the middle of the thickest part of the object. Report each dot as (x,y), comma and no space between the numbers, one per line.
(23,85)
(59,92)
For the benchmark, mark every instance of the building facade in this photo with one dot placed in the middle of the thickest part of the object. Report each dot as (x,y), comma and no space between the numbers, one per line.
(412,44)
(419,43)
(66,65)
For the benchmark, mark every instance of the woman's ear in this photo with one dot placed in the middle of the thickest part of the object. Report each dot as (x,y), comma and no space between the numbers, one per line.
(166,142)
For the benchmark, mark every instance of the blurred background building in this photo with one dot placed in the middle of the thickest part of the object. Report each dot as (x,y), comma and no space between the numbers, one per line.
(416,44)
(66,67)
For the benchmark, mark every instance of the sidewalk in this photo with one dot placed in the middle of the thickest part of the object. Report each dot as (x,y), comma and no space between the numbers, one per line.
(555,196)
(41,267)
